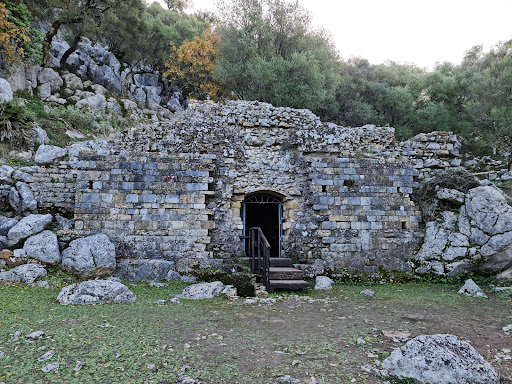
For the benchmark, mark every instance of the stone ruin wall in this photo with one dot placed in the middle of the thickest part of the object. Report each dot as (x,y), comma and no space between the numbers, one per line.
(174,191)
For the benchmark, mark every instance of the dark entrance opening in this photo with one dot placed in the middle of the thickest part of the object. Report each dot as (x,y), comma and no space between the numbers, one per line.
(264,211)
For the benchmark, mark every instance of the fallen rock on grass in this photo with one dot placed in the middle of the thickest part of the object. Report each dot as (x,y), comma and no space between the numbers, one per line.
(470,288)
(323,283)
(367,292)
(36,335)
(439,359)
(203,290)
(26,273)
(96,292)
(50,367)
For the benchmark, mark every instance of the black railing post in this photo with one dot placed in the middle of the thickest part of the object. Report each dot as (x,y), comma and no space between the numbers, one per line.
(259,254)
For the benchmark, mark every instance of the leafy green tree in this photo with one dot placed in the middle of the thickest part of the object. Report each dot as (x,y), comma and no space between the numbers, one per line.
(271,52)
(141,37)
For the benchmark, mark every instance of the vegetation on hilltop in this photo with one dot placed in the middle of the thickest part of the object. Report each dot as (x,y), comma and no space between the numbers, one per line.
(271,51)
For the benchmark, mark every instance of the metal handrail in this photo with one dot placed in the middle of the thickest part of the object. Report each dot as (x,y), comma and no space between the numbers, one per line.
(259,254)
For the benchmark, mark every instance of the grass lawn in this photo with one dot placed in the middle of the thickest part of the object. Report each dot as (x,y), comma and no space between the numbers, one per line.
(225,342)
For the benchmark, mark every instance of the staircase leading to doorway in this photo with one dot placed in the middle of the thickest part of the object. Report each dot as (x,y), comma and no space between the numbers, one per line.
(274,272)
(283,275)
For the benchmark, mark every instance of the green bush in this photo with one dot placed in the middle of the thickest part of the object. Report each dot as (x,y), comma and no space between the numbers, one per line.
(15,125)
(425,196)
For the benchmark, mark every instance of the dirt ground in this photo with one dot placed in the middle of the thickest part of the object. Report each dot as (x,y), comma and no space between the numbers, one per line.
(327,335)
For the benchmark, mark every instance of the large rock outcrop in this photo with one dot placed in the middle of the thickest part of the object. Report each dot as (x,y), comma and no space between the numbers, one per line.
(6,94)
(203,290)
(477,238)
(96,292)
(440,359)
(90,256)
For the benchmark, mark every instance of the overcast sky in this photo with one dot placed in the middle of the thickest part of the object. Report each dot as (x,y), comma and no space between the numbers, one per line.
(409,31)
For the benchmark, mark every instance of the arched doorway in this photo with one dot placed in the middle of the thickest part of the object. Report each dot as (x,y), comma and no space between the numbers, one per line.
(265,210)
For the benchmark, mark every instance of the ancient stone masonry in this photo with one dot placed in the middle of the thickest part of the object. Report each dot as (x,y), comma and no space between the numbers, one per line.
(171,195)
(151,204)
(54,187)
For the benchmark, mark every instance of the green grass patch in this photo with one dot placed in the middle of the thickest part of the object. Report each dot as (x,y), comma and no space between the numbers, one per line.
(224,341)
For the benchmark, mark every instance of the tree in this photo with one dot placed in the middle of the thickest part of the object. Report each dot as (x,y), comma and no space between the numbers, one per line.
(270,51)
(82,18)
(178,5)
(141,36)
(191,67)
(12,38)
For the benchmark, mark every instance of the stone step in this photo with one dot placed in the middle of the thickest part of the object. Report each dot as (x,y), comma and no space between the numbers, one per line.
(285,273)
(288,284)
(281,262)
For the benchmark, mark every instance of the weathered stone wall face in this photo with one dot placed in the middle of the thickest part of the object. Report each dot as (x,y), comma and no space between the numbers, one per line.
(174,191)
(54,187)
(152,205)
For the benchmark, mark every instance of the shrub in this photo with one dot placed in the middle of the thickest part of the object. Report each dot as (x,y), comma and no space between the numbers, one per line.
(425,196)
(15,125)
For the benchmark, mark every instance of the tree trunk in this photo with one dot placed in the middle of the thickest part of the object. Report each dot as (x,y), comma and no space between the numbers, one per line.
(128,78)
(71,49)
(48,41)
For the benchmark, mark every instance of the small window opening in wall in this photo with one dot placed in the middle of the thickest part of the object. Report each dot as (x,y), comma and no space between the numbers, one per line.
(324,188)
(404,225)
(90,184)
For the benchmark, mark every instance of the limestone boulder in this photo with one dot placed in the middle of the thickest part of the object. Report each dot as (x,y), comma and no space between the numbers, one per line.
(203,290)
(436,240)
(451,195)
(505,275)
(6,224)
(43,247)
(49,154)
(27,200)
(90,256)
(94,103)
(26,273)
(323,283)
(143,270)
(44,91)
(128,104)
(488,210)
(28,226)
(6,94)
(15,200)
(49,76)
(5,175)
(174,105)
(39,134)
(96,292)
(470,288)
(73,81)
(440,359)
(105,75)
